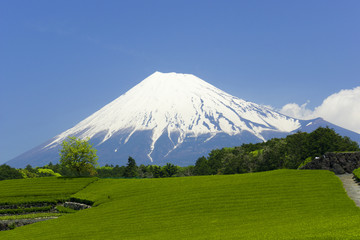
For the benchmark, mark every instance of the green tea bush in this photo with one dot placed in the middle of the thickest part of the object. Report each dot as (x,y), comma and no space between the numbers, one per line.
(31,215)
(281,204)
(307,160)
(25,210)
(63,209)
(49,189)
(356,173)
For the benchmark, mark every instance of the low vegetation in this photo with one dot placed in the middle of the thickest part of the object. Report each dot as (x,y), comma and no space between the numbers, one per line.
(260,204)
(281,204)
(356,174)
(40,190)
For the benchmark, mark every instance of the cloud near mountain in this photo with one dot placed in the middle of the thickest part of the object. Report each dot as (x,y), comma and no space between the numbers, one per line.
(341,108)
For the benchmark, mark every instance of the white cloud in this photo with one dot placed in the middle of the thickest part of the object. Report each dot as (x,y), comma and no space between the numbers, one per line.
(296,111)
(342,109)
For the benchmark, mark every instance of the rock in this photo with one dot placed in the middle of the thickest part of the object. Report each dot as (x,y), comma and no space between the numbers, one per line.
(11,224)
(339,163)
(337,169)
(76,206)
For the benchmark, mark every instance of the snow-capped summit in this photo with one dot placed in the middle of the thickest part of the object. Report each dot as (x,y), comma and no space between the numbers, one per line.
(169,117)
(168,103)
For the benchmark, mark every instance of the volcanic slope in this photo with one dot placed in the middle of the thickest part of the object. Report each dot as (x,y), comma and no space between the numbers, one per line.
(169,117)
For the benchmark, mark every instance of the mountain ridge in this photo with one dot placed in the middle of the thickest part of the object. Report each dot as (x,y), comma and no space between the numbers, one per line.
(169,116)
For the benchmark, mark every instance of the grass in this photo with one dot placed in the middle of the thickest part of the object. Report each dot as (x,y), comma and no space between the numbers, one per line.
(63,209)
(49,189)
(25,210)
(31,216)
(282,204)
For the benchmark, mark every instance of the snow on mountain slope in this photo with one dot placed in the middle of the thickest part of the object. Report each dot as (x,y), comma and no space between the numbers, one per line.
(168,103)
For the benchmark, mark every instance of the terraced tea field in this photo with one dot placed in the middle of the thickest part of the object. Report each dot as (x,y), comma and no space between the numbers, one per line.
(282,204)
(25,201)
(48,189)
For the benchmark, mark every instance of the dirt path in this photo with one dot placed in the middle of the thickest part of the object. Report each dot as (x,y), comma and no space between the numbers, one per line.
(352,188)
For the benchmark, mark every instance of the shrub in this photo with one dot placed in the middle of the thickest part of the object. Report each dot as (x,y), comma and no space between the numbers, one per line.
(63,209)
(25,210)
(356,173)
(307,160)
(84,201)
(7,172)
(44,172)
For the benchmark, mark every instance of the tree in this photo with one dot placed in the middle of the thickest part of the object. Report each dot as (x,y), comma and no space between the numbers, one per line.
(118,171)
(169,170)
(202,167)
(30,168)
(79,156)
(46,172)
(7,172)
(156,171)
(131,169)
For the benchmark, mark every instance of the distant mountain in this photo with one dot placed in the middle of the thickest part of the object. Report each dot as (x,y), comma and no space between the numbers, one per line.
(172,117)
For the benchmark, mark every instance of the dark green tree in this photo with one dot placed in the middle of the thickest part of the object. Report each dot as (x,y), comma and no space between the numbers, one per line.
(202,167)
(297,149)
(185,171)
(131,169)
(156,171)
(30,168)
(324,140)
(215,161)
(169,170)
(105,172)
(118,171)
(7,172)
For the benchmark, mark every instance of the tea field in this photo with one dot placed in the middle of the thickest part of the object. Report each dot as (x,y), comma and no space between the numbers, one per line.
(49,189)
(281,204)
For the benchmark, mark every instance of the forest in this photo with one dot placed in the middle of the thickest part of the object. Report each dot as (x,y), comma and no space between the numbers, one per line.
(290,152)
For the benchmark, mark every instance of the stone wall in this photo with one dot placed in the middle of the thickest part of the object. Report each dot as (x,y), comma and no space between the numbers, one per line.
(339,163)
(11,224)
(76,206)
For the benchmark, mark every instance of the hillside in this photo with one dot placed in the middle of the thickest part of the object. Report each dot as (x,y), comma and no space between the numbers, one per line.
(282,204)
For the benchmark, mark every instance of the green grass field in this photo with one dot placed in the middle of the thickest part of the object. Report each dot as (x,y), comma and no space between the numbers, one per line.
(282,204)
(47,189)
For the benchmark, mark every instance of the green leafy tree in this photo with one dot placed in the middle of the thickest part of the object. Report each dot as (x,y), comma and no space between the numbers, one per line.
(46,172)
(104,172)
(27,174)
(118,171)
(30,168)
(131,169)
(156,171)
(215,161)
(169,170)
(79,156)
(202,167)
(324,140)
(7,172)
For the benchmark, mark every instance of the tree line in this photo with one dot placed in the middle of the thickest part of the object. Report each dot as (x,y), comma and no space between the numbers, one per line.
(131,170)
(78,158)
(290,152)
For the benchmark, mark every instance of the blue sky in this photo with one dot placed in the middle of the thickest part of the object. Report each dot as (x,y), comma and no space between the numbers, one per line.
(60,61)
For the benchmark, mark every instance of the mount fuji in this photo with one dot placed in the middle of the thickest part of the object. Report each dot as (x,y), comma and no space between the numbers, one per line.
(172,117)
